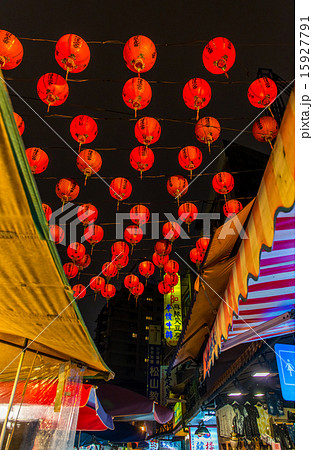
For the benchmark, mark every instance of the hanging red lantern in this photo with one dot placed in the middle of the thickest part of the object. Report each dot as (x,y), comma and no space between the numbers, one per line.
(163,247)
(120,263)
(109,270)
(11,51)
(231,208)
(79,291)
(72,53)
(139,214)
(97,284)
(207,130)
(119,250)
(171,266)
(56,233)
(171,279)
(19,123)
(177,186)
(131,281)
(171,231)
(89,161)
(141,158)
(146,269)
(83,129)
(47,211)
(37,159)
(139,54)
(196,256)
(265,129)
(87,214)
(120,189)
(133,234)
(223,183)
(83,262)
(219,55)
(52,89)
(108,291)
(70,270)
(137,93)
(67,189)
(187,212)
(190,158)
(262,92)
(93,234)
(159,260)
(136,291)
(147,130)
(197,94)
(164,288)
(75,251)
(202,244)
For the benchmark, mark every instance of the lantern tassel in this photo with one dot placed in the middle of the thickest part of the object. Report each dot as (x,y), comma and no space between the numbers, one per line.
(85,180)
(78,275)
(225,198)
(92,246)
(146,281)
(95,296)
(197,118)
(188,225)
(269,108)
(135,113)
(48,107)
(190,174)
(269,141)
(136,300)
(118,204)
(107,302)
(129,295)
(79,147)
(209,145)
(141,174)
(226,74)
(132,249)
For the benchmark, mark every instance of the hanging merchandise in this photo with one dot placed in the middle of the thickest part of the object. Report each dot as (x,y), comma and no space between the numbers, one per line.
(196,257)
(93,234)
(171,231)
(262,92)
(187,212)
(82,263)
(190,158)
(197,94)
(219,55)
(223,183)
(109,270)
(67,189)
(72,53)
(177,186)
(265,129)
(202,244)
(147,130)
(70,270)
(137,93)
(47,211)
(83,129)
(207,130)
(136,291)
(97,284)
(171,267)
(231,208)
(120,189)
(87,214)
(76,251)
(139,54)
(171,279)
(56,233)
(11,51)
(164,288)
(141,158)
(163,247)
(37,159)
(19,123)
(79,291)
(159,260)
(146,269)
(108,291)
(89,162)
(52,89)
(119,250)
(139,214)
(133,234)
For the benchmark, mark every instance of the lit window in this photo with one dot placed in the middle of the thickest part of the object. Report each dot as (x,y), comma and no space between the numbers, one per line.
(149,299)
(148,318)
(134,335)
(146,338)
(147,327)
(146,359)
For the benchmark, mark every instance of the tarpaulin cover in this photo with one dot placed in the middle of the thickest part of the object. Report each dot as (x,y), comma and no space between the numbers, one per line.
(123,432)
(35,294)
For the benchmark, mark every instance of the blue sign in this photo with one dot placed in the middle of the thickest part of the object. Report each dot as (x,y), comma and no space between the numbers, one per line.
(285,356)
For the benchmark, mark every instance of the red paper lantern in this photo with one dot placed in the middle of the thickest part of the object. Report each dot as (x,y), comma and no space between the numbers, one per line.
(67,189)
(93,234)
(196,256)
(164,288)
(163,247)
(190,158)
(171,266)
(223,182)
(97,284)
(56,233)
(136,291)
(37,159)
(202,244)
(87,213)
(207,130)
(171,279)
(70,270)
(75,251)
(83,129)
(120,189)
(219,55)
(52,89)
(109,270)
(120,263)
(146,269)
(83,262)
(72,53)
(197,94)
(19,123)
(139,54)
(79,291)
(262,92)
(141,158)
(131,281)
(137,93)
(232,207)
(171,231)
(47,211)
(133,234)
(147,130)
(187,212)
(108,291)
(89,161)
(119,250)
(177,186)
(159,260)
(265,129)
(11,51)
(139,214)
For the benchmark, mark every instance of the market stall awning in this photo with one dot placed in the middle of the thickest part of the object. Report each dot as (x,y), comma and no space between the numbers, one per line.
(124,432)
(276,193)
(36,300)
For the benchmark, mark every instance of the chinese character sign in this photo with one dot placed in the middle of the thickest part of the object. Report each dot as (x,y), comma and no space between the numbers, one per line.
(165,380)
(153,375)
(208,441)
(173,315)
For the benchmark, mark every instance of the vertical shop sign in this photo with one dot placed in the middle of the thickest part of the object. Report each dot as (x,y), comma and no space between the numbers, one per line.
(207,441)
(285,357)
(173,315)
(153,375)
(165,381)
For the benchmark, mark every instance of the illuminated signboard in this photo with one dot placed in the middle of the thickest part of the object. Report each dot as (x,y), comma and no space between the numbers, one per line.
(208,441)
(178,413)
(173,315)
